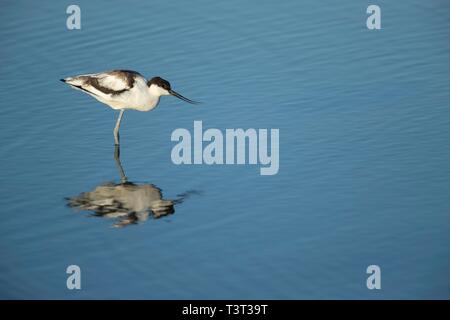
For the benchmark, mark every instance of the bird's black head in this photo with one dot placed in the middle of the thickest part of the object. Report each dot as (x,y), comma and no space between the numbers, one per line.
(160,87)
(160,82)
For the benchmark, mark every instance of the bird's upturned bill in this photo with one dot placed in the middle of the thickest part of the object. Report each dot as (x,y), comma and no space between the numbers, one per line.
(179,96)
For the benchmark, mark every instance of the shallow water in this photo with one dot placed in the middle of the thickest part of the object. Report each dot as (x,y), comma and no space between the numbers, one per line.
(364,127)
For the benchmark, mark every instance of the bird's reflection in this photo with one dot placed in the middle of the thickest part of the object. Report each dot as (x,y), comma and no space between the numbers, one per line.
(126,202)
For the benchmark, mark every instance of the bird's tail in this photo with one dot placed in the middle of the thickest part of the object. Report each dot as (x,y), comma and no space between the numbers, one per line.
(74,81)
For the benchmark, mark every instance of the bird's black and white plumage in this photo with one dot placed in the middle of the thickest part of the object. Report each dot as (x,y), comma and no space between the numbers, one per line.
(124,90)
(121,89)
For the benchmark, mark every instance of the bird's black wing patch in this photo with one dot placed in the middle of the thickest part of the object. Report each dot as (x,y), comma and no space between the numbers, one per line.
(113,82)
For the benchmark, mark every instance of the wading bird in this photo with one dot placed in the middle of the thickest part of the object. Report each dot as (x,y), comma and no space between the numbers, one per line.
(123,90)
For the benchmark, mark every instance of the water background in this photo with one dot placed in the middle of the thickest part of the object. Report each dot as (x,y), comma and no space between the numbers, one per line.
(364,124)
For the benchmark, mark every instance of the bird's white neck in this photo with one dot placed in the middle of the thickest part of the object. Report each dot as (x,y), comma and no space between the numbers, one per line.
(152,102)
(154,94)
(157,91)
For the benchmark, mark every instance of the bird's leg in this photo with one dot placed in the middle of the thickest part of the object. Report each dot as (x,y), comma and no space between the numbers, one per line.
(116,128)
(123,177)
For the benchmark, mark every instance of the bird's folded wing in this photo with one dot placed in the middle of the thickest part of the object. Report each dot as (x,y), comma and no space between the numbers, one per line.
(111,82)
(114,81)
